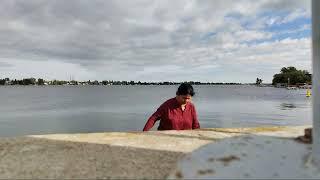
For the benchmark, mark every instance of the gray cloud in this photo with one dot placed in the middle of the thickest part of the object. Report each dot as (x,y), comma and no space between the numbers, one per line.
(5,65)
(134,36)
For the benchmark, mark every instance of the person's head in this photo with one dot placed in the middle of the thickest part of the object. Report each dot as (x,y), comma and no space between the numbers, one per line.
(184,93)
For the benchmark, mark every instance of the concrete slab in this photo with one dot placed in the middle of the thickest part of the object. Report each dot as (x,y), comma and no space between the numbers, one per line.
(250,156)
(112,154)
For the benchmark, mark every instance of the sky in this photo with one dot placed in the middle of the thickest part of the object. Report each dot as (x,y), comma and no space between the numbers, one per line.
(154,40)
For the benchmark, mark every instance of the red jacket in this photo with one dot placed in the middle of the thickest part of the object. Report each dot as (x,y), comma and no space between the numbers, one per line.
(172,117)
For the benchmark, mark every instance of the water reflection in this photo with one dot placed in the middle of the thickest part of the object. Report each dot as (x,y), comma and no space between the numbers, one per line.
(287,106)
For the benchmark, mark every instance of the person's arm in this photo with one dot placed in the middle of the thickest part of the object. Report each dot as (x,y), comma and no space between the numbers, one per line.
(195,122)
(153,118)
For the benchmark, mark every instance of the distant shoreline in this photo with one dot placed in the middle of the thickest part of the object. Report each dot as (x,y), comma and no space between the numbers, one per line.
(134,85)
(42,82)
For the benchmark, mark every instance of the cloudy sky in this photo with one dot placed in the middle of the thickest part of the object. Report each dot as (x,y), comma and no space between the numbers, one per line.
(154,40)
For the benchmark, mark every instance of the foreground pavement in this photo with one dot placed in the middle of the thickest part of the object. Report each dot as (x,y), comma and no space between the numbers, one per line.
(153,154)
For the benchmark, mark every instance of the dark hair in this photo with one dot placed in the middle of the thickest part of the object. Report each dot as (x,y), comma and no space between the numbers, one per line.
(185,89)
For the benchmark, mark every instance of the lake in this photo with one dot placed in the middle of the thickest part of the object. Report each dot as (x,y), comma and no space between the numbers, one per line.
(81,109)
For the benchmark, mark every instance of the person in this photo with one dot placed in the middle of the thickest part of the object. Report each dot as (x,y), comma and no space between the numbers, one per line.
(177,113)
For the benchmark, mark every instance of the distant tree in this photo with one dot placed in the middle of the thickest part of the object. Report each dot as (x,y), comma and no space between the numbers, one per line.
(29,81)
(95,82)
(20,82)
(40,82)
(258,81)
(15,82)
(288,69)
(105,82)
(292,76)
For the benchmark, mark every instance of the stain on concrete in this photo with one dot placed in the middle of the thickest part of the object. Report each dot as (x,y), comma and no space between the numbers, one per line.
(206,171)
(179,175)
(228,159)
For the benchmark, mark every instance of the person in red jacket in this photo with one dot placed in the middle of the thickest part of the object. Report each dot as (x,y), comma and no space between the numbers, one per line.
(177,113)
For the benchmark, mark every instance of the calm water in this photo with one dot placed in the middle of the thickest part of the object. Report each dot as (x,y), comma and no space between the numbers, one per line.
(71,109)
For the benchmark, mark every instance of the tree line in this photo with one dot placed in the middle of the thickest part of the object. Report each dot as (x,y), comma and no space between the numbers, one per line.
(40,81)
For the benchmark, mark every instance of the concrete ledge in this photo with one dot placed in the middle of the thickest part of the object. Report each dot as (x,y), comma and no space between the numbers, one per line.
(114,154)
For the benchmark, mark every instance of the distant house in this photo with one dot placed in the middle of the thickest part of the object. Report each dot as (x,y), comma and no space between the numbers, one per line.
(7,81)
(95,83)
(304,85)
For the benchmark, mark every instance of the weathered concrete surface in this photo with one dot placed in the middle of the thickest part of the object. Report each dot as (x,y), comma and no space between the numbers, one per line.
(250,156)
(112,155)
